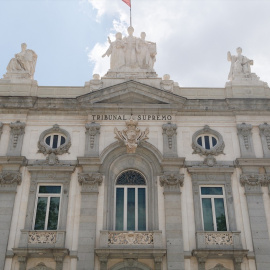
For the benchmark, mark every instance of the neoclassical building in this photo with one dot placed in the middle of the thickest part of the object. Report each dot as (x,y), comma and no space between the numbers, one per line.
(133,171)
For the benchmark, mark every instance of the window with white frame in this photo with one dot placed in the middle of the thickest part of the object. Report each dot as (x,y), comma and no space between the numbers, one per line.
(55,140)
(47,207)
(213,208)
(130,202)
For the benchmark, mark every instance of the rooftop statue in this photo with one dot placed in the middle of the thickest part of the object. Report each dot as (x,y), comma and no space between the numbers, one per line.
(23,65)
(240,66)
(131,54)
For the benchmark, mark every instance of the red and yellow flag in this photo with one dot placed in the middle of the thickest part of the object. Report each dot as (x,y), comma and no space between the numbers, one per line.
(127,2)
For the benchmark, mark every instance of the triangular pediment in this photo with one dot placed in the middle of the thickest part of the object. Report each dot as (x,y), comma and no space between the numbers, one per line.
(131,92)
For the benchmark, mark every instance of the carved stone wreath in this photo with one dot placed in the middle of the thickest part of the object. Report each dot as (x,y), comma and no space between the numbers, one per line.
(61,149)
(215,150)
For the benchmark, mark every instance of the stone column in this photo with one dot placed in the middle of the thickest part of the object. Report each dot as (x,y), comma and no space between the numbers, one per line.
(88,218)
(173,219)
(16,138)
(92,139)
(169,140)
(8,187)
(258,223)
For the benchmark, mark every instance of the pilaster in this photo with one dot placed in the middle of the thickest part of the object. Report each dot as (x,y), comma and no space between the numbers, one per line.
(16,138)
(265,138)
(245,140)
(169,140)
(92,139)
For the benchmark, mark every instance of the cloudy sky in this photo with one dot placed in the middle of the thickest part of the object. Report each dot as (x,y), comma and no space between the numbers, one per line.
(192,37)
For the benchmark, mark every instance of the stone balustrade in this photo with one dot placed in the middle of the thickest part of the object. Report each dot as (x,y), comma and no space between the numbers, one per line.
(42,239)
(130,239)
(218,240)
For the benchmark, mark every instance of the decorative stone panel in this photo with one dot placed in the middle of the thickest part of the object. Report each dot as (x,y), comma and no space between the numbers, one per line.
(10,178)
(253,182)
(245,140)
(215,150)
(41,266)
(265,138)
(169,140)
(16,138)
(92,139)
(171,181)
(90,181)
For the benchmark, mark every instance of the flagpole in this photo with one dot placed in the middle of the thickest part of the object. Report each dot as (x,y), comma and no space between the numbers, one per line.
(130,15)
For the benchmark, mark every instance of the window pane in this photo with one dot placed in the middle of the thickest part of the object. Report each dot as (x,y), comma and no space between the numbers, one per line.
(130,178)
(199,141)
(119,209)
(207,142)
(48,140)
(211,191)
(131,209)
(55,140)
(220,214)
(50,189)
(214,141)
(41,214)
(63,140)
(141,210)
(207,215)
(53,213)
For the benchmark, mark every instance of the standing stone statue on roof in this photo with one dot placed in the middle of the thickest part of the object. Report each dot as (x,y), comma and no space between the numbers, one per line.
(240,66)
(131,55)
(23,65)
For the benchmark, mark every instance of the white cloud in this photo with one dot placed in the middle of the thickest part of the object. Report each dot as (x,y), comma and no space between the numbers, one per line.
(193,37)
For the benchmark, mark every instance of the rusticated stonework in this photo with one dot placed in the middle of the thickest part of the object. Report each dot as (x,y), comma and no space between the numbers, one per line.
(10,177)
(42,237)
(131,136)
(254,180)
(130,238)
(225,239)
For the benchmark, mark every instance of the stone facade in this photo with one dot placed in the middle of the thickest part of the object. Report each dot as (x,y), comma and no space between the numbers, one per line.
(179,140)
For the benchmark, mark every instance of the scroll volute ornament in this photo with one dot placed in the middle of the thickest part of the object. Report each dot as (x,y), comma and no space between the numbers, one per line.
(131,135)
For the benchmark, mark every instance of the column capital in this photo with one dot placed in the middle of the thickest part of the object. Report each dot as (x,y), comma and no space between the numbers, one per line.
(172,182)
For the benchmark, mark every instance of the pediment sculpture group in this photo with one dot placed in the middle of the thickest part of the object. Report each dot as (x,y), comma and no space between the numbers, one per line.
(126,54)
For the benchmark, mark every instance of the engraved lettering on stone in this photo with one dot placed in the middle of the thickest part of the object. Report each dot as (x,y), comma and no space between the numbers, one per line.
(245,131)
(10,177)
(130,238)
(225,239)
(265,131)
(131,135)
(170,130)
(42,238)
(16,129)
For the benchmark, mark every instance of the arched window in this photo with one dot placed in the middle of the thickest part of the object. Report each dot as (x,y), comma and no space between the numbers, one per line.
(130,203)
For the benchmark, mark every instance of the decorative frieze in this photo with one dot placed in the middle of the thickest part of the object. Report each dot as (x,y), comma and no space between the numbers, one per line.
(90,181)
(43,237)
(92,139)
(10,178)
(219,267)
(169,139)
(16,138)
(245,140)
(130,238)
(131,136)
(171,181)
(254,179)
(220,239)
(41,266)
(265,138)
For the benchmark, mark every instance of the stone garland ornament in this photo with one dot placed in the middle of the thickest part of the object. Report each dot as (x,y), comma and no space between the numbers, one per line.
(10,177)
(131,136)
(215,150)
(52,159)
(265,131)
(16,129)
(245,131)
(170,130)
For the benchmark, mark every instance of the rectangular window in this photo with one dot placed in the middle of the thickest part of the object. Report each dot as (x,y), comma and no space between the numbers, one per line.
(130,211)
(47,208)
(213,208)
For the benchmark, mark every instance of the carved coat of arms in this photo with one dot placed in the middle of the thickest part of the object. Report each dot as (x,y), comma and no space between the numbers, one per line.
(131,135)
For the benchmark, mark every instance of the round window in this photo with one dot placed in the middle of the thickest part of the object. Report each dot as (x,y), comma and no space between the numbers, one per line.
(55,140)
(207,141)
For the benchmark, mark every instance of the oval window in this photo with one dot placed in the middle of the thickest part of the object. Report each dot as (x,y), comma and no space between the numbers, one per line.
(207,141)
(55,140)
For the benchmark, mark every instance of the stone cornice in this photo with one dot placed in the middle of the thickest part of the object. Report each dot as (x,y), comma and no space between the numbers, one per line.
(257,162)
(207,170)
